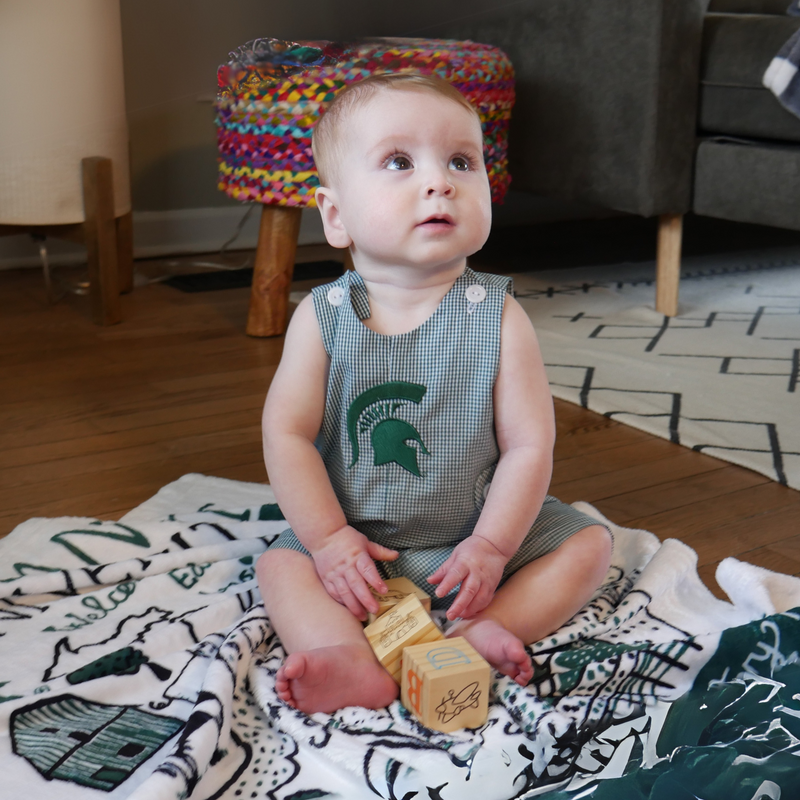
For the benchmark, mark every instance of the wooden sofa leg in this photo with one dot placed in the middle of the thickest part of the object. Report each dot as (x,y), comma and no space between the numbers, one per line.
(668,263)
(125,252)
(100,235)
(272,272)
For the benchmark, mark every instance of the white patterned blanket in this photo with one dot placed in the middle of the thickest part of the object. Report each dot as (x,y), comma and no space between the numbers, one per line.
(136,661)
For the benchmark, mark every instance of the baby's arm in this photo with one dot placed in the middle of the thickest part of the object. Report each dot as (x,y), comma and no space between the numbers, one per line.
(293,413)
(525,428)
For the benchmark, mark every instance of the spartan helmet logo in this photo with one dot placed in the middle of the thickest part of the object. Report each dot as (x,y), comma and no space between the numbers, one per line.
(375,408)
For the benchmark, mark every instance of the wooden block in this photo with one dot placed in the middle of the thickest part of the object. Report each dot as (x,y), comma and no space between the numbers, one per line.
(446,684)
(406,624)
(398,589)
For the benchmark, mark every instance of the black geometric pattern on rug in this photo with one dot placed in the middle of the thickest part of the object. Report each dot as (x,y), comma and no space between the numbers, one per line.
(673,414)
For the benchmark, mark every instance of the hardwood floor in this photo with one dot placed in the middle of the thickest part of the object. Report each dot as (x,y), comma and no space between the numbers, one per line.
(95,420)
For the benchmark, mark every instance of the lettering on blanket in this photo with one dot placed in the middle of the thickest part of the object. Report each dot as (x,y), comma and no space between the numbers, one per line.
(129,536)
(769,653)
(247,574)
(3,698)
(189,575)
(100,608)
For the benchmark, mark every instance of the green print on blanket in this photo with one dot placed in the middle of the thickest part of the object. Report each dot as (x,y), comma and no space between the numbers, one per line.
(121,662)
(91,744)
(130,536)
(389,434)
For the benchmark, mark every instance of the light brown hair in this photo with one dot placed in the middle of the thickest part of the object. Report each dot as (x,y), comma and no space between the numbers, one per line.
(327,135)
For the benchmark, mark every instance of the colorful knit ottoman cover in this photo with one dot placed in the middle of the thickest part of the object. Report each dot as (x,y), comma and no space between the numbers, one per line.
(272,92)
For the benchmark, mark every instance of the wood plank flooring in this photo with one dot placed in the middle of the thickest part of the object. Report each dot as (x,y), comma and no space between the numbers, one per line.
(93,421)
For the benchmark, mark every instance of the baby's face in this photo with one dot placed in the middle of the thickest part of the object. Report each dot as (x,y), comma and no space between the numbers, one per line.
(412,186)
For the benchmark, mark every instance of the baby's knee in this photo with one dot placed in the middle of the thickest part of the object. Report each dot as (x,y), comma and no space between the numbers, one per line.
(593,547)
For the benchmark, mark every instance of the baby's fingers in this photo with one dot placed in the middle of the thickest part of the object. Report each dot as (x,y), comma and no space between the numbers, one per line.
(439,574)
(361,593)
(369,574)
(381,553)
(461,606)
(340,591)
(453,576)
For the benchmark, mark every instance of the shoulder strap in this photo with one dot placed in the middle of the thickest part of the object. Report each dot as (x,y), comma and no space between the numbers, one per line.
(327,310)
(489,279)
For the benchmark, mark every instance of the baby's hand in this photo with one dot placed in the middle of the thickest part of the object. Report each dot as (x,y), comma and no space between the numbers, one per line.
(346,568)
(478,566)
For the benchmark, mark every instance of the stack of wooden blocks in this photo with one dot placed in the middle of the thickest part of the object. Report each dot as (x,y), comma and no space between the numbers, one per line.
(443,682)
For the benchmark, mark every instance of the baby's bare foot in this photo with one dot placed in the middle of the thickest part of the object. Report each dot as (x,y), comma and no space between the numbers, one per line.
(331,678)
(504,651)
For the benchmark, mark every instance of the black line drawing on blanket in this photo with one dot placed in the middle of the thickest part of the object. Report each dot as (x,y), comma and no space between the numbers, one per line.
(184,686)
(181,763)
(16,612)
(136,629)
(88,743)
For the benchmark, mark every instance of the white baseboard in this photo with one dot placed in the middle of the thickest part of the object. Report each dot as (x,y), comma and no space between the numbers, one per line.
(164,233)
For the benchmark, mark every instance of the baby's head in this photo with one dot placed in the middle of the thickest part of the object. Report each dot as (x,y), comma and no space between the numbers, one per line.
(329,132)
(403,181)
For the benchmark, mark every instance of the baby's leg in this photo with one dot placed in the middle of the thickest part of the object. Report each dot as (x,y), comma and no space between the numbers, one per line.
(330,663)
(536,600)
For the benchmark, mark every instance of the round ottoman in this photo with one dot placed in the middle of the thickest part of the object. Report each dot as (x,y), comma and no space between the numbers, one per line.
(271,94)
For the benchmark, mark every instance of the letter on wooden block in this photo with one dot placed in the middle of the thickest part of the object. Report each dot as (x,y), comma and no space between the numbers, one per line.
(406,624)
(445,684)
(398,589)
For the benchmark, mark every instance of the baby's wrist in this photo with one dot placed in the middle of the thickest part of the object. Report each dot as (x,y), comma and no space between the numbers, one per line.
(498,549)
(319,541)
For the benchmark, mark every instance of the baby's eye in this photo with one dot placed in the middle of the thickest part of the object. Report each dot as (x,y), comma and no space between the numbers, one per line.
(460,164)
(399,162)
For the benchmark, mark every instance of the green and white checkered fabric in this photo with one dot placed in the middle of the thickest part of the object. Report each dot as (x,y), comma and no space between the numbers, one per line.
(408,431)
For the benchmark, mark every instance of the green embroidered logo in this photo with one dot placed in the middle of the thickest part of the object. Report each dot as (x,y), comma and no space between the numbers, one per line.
(389,436)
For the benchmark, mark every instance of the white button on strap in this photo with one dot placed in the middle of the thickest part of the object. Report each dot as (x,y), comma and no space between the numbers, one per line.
(475,293)
(336,295)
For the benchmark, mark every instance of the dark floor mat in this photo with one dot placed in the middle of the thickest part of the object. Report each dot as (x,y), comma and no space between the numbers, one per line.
(212,280)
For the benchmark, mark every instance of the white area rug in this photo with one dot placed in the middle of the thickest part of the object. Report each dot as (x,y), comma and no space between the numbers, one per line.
(723,377)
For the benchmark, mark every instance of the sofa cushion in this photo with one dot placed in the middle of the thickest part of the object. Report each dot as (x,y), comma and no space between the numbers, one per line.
(737,49)
(754,182)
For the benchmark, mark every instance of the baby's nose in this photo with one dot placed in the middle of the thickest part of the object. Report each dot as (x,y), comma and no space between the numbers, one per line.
(439,183)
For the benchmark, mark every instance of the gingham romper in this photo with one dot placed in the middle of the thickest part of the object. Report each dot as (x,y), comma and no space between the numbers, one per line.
(408,431)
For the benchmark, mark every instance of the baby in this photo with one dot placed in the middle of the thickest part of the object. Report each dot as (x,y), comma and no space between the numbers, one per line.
(410,421)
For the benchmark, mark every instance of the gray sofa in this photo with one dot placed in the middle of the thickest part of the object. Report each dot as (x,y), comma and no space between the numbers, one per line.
(606,105)
(748,157)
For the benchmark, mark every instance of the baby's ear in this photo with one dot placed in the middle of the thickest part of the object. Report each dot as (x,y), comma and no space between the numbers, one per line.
(328,205)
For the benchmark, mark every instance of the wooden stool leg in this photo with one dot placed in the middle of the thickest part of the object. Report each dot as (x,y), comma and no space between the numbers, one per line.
(101,240)
(272,273)
(125,252)
(668,263)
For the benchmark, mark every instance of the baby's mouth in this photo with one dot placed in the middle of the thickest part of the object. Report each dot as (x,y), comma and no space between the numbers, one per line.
(443,220)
